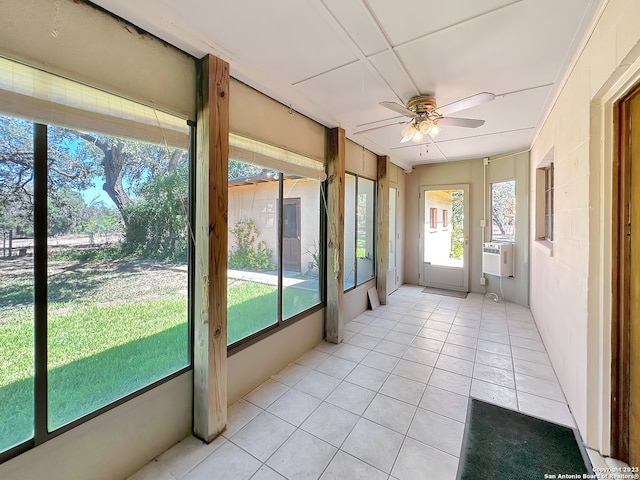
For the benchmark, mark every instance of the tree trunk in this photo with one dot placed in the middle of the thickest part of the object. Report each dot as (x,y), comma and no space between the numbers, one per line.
(113,164)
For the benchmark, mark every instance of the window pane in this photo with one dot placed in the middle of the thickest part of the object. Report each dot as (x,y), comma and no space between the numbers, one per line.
(503,211)
(365,228)
(252,292)
(16,282)
(393,203)
(117,269)
(300,246)
(349,231)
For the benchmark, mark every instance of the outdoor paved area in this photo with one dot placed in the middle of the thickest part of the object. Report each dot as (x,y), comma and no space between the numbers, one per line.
(388,403)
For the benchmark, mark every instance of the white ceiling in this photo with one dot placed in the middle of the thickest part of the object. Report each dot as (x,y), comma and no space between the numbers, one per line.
(335,60)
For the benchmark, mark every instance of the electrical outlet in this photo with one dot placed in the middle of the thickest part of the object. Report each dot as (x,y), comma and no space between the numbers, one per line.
(483,281)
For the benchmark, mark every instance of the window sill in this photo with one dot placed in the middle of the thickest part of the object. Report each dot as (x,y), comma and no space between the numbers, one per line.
(544,246)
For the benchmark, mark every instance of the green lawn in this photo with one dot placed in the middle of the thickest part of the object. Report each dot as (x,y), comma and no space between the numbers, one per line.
(253,306)
(112,329)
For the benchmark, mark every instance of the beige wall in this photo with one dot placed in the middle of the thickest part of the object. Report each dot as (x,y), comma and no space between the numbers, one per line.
(252,366)
(570,283)
(471,172)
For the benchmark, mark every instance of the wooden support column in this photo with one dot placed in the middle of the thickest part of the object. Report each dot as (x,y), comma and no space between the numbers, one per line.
(210,312)
(336,157)
(382,235)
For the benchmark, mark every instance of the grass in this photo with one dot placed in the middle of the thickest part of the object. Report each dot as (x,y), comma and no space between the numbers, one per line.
(113,328)
(253,307)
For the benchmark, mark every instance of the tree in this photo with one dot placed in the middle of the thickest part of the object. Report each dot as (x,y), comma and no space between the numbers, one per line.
(503,209)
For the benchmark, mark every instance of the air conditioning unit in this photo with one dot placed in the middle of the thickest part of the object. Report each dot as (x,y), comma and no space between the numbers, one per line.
(497,259)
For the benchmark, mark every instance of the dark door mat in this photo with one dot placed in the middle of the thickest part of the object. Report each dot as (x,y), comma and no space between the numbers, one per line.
(446,293)
(503,444)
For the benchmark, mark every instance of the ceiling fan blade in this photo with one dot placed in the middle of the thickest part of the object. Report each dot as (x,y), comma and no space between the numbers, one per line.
(379,127)
(465,103)
(461,122)
(396,107)
(406,139)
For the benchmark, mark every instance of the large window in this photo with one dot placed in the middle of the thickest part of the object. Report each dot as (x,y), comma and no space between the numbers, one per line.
(94,270)
(359,230)
(275,246)
(503,211)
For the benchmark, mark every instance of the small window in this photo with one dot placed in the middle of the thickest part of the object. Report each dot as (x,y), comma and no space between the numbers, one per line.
(433,218)
(503,211)
(544,202)
(445,218)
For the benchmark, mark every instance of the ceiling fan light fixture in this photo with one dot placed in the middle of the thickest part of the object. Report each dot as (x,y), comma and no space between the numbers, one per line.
(408,131)
(434,129)
(417,136)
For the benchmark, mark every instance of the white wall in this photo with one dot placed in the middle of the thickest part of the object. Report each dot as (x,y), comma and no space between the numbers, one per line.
(570,283)
(397,180)
(471,172)
(115,444)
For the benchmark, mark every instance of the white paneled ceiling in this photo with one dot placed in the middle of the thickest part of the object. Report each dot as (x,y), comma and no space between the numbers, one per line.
(336,60)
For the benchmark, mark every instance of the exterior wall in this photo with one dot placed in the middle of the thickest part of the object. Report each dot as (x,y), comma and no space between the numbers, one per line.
(570,282)
(259,201)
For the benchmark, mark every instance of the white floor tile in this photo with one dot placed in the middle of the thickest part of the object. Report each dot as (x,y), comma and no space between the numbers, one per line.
(458,351)
(330,423)
(494,360)
(398,337)
(364,341)
(437,431)
(407,328)
(229,462)
(263,435)
(187,454)
(494,336)
(455,365)
(154,471)
(536,345)
(557,412)
(418,461)
(302,457)
(531,355)
(373,444)
(462,340)
(403,389)
(317,384)
(327,348)
(267,393)
(436,325)
(346,467)
(433,333)
(312,358)
(367,377)
(266,473)
(350,352)
(496,394)
(377,332)
(445,403)
(419,355)
(294,406)
(336,367)
(381,361)
(534,369)
(413,371)
(539,387)
(495,375)
(390,413)
(391,348)
(427,344)
(494,347)
(463,330)
(452,382)
(351,397)
(384,322)
(291,374)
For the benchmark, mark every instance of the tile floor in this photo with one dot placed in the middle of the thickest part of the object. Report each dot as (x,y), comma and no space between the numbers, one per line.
(388,403)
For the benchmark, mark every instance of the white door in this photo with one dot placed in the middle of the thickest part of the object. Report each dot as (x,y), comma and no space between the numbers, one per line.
(392,275)
(443,237)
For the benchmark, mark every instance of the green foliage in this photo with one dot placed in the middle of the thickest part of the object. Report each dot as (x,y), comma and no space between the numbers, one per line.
(158,220)
(457,222)
(87,255)
(244,256)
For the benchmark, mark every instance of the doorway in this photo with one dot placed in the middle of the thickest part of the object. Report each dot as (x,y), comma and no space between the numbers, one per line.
(291,244)
(625,385)
(443,237)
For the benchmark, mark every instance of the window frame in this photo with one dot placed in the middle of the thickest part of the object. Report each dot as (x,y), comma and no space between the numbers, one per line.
(356,282)
(41,433)
(282,323)
(545,204)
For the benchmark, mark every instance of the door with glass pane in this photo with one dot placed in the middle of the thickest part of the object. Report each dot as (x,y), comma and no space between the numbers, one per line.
(443,237)
(392,275)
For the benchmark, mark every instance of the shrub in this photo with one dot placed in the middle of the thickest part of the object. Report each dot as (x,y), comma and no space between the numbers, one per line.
(244,256)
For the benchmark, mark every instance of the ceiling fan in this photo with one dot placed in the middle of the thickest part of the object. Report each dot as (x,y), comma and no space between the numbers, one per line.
(427,118)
